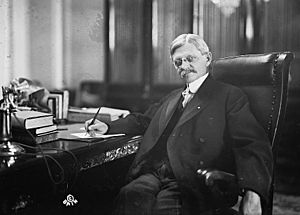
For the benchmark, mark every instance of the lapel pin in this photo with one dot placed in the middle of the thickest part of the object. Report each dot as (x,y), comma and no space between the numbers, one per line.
(198,107)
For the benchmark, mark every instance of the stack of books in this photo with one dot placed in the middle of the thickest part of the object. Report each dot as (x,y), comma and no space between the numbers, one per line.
(58,103)
(33,127)
(106,114)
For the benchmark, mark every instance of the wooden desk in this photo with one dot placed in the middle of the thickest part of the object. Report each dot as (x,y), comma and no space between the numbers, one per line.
(90,172)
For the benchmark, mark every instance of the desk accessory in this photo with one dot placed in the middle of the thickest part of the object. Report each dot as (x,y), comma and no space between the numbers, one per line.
(28,93)
(30,119)
(59,104)
(30,139)
(92,122)
(33,127)
(7,146)
(43,130)
(94,118)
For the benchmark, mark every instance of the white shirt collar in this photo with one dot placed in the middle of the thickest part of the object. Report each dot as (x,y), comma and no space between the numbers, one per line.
(195,85)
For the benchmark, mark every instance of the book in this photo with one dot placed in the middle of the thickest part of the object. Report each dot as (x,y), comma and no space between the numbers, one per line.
(32,140)
(37,131)
(44,129)
(66,101)
(52,106)
(63,101)
(29,119)
(57,105)
(106,114)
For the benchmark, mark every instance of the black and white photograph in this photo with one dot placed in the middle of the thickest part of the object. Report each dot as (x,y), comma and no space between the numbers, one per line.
(149,107)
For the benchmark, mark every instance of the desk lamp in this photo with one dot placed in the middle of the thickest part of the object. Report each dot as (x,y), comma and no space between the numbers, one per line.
(7,147)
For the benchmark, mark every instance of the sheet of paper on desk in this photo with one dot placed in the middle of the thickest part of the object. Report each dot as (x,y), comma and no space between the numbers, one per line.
(86,135)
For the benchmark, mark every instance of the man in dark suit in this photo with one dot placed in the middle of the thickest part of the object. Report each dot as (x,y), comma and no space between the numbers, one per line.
(206,124)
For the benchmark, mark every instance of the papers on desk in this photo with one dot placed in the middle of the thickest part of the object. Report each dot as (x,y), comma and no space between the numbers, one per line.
(86,135)
(77,132)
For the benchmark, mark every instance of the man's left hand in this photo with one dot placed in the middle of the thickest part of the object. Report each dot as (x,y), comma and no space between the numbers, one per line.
(251,204)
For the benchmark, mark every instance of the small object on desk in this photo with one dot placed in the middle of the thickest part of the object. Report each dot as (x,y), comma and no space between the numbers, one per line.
(58,102)
(33,127)
(93,120)
(22,108)
(35,131)
(77,132)
(31,119)
(80,134)
(33,140)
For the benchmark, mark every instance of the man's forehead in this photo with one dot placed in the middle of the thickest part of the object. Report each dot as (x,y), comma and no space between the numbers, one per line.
(186,49)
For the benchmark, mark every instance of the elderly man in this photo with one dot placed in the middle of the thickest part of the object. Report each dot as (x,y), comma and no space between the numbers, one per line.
(206,124)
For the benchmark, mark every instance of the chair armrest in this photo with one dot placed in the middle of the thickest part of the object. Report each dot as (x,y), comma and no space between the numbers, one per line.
(212,176)
(222,186)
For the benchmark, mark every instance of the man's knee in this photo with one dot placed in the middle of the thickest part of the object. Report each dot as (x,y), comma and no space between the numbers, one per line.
(125,190)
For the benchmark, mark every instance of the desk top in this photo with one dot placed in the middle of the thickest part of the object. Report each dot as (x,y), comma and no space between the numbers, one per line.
(27,180)
(85,154)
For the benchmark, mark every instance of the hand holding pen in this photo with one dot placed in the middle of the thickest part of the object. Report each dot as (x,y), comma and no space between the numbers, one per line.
(94,126)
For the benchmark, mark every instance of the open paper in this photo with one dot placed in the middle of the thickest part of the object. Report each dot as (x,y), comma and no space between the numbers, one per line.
(86,135)
(77,132)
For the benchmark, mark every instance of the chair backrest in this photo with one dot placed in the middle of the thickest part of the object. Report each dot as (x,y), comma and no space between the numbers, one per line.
(264,78)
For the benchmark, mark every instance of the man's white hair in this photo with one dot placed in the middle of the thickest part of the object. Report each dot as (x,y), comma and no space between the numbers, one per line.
(194,39)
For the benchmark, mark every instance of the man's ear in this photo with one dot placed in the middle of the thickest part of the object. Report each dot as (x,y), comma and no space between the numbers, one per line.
(208,58)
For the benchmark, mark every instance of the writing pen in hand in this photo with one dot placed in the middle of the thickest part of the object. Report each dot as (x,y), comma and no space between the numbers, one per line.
(93,120)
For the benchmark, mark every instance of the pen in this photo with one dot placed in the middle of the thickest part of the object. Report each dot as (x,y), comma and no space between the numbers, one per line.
(93,120)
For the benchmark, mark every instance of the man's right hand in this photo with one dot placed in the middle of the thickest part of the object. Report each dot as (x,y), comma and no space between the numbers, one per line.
(97,127)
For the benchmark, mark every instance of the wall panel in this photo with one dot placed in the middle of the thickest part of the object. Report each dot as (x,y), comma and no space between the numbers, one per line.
(282,32)
(173,17)
(220,30)
(126,53)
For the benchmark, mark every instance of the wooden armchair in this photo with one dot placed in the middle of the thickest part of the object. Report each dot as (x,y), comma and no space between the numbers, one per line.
(265,79)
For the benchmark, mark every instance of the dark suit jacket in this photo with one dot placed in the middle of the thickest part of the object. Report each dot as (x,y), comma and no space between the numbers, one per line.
(216,130)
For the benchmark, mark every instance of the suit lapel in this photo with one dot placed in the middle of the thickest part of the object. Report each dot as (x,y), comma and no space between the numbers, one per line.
(200,99)
(198,103)
(168,110)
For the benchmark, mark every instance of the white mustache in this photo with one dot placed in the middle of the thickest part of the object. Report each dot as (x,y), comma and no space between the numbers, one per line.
(185,72)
